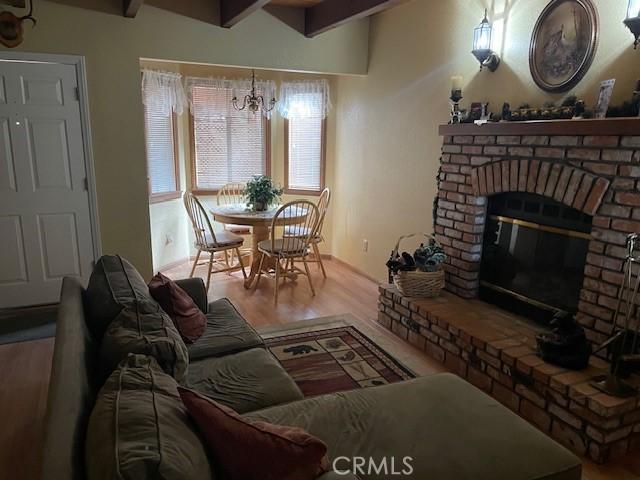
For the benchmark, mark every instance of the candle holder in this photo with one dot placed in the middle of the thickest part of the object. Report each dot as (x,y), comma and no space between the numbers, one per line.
(456,113)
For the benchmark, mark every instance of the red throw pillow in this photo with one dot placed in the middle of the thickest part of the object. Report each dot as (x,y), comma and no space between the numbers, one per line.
(186,316)
(244,449)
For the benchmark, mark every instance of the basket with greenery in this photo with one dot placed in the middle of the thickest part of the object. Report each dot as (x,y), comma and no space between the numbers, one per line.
(261,193)
(420,274)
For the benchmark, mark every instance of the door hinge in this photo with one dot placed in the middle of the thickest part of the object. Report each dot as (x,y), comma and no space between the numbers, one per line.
(77,92)
(86,184)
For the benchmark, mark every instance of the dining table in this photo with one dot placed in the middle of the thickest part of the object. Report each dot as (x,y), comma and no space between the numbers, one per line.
(260,223)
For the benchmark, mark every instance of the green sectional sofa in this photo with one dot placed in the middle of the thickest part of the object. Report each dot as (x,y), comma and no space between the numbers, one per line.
(447,428)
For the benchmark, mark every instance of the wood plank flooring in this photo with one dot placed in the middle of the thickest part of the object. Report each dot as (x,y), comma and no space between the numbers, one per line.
(25,367)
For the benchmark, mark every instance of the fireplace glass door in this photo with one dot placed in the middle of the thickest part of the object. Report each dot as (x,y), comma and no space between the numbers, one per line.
(534,253)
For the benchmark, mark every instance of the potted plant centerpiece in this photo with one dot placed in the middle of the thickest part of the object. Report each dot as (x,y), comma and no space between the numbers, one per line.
(260,193)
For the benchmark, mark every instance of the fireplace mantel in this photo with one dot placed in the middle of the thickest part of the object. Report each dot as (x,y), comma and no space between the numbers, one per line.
(606,126)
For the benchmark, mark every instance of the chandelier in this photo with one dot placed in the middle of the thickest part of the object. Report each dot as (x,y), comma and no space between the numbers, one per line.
(253,102)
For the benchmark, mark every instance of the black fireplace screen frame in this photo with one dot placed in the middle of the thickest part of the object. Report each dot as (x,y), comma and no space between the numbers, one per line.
(534,253)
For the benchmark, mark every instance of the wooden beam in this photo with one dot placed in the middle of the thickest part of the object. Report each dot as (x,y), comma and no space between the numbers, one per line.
(333,13)
(131,7)
(233,11)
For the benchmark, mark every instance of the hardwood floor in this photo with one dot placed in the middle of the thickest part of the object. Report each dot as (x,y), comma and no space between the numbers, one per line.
(25,367)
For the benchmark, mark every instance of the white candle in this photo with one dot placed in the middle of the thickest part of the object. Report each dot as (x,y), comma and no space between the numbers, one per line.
(456,83)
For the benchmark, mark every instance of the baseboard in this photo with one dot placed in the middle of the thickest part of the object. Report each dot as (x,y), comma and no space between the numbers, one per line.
(177,263)
(348,266)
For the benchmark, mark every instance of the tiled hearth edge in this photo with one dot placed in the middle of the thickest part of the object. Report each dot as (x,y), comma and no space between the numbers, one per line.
(559,402)
(592,165)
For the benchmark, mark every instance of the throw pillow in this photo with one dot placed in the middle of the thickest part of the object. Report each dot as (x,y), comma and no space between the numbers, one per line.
(113,285)
(186,316)
(243,449)
(139,428)
(143,328)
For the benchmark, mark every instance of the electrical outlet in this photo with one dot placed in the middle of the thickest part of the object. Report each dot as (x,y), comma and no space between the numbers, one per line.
(365,245)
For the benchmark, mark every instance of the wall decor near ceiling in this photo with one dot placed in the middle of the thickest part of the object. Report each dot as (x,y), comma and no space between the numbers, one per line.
(563,44)
(11,31)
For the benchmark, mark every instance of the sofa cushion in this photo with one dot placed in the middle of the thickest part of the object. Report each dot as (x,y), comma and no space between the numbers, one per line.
(140,429)
(243,449)
(448,427)
(243,381)
(177,303)
(145,329)
(226,332)
(114,283)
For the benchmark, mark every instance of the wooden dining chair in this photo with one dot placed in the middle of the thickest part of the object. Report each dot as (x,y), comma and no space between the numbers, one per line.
(301,218)
(212,242)
(233,194)
(323,206)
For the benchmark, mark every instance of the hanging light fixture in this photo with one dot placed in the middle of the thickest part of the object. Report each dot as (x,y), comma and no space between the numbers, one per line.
(482,45)
(253,101)
(633,20)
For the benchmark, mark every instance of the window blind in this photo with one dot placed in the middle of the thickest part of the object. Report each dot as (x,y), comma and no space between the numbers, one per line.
(229,145)
(161,161)
(305,145)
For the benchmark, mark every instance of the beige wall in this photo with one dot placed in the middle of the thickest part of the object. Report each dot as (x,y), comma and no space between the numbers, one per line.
(387,145)
(171,235)
(113,46)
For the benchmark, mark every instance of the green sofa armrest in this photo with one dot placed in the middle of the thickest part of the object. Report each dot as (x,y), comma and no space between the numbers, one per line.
(196,290)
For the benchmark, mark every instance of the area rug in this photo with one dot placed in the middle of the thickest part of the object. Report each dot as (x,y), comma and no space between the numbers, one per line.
(335,359)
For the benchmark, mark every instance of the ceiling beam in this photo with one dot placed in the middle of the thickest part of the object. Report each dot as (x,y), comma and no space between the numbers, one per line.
(333,13)
(233,11)
(131,7)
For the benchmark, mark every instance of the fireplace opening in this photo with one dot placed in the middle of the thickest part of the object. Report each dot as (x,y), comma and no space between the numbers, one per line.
(534,253)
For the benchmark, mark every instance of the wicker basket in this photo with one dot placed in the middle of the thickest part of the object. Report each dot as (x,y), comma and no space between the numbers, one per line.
(417,283)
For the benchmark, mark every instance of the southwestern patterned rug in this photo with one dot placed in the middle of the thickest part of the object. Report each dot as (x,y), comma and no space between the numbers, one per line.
(335,359)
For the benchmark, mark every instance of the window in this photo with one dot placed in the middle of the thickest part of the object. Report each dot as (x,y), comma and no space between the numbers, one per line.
(305,142)
(162,165)
(228,146)
(305,154)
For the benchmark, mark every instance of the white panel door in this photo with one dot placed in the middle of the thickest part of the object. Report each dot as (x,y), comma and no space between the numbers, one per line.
(45,220)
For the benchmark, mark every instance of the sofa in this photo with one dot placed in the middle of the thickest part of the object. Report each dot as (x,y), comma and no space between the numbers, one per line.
(445,427)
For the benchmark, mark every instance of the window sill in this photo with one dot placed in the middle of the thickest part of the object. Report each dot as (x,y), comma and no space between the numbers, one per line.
(311,193)
(164,197)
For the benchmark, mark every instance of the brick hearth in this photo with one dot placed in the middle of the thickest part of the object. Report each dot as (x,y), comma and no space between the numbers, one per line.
(592,166)
(494,350)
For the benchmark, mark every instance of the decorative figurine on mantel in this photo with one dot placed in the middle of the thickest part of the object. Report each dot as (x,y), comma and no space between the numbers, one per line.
(456,95)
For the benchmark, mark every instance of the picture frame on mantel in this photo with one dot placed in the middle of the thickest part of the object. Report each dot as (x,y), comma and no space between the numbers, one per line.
(563,44)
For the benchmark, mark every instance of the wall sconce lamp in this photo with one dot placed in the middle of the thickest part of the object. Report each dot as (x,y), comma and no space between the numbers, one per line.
(633,20)
(482,45)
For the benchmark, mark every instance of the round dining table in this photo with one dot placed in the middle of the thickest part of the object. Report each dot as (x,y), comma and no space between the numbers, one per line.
(260,223)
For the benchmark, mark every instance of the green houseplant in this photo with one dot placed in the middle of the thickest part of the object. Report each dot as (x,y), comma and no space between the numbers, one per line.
(260,192)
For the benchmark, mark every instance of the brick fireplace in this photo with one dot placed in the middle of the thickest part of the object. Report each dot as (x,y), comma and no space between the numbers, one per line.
(589,168)
(592,166)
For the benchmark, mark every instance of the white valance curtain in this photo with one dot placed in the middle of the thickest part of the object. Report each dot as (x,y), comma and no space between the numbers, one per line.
(237,88)
(163,91)
(304,99)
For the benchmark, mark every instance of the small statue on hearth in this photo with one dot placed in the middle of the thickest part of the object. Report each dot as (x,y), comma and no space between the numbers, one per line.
(579,109)
(566,345)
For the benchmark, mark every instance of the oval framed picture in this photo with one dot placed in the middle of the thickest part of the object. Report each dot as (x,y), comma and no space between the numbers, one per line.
(563,44)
